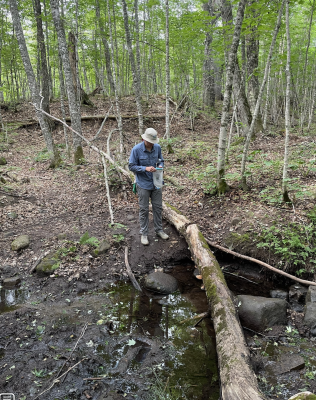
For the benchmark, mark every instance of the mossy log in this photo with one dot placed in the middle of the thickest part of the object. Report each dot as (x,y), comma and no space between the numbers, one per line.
(238,381)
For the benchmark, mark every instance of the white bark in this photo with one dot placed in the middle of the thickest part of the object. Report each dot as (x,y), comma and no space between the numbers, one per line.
(256,112)
(107,190)
(136,82)
(34,89)
(221,183)
(167,134)
(287,106)
(74,104)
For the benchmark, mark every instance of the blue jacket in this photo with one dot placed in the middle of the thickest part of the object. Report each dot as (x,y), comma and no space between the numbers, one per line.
(141,158)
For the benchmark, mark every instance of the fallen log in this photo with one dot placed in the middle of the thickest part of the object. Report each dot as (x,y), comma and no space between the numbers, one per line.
(238,380)
(23,124)
(278,271)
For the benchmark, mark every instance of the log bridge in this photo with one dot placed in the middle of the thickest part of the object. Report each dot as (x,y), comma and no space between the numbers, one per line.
(238,380)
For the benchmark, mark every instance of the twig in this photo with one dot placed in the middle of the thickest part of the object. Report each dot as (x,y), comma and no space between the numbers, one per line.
(94,379)
(240,277)
(103,122)
(130,273)
(124,172)
(38,261)
(57,380)
(203,315)
(302,281)
(201,319)
(81,335)
(107,190)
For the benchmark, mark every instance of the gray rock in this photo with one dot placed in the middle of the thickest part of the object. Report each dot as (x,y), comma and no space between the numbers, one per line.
(297,293)
(303,396)
(311,295)
(310,316)
(259,313)
(103,247)
(11,282)
(20,242)
(3,161)
(48,265)
(161,283)
(12,215)
(290,362)
(279,294)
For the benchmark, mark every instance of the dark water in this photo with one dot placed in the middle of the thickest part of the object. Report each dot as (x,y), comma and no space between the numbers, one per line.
(11,298)
(188,368)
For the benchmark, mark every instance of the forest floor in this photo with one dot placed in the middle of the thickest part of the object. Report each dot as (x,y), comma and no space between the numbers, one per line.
(56,207)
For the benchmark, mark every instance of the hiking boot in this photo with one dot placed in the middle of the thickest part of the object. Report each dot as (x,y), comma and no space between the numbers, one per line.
(144,240)
(162,235)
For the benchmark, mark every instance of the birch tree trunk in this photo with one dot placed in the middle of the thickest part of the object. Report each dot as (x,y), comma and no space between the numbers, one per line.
(286,197)
(107,53)
(208,66)
(167,134)
(254,117)
(34,89)
(74,105)
(116,84)
(136,83)
(222,186)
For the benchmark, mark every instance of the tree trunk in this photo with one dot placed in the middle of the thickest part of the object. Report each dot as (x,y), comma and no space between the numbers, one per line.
(107,53)
(54,156)
(136,82)
(249,135)
(43,73)
(74,105)
(208,66)
(222,186)
(286,197)
(167,134)
(238,381)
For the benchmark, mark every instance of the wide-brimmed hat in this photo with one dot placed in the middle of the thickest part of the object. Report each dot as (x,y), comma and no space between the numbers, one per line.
(150,135)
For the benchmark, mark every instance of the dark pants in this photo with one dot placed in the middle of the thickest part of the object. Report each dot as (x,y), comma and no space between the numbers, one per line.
(143,201)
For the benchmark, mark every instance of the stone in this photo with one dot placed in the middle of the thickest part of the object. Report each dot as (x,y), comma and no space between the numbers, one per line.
(103,247)
(3,161)
(311,295)
(303,396)
(310,316)
(279,294)
(131,217)
(21,242)
(12,215)
(160,282)
(48,265)
(11,282)
(235,221)
(259,313)
(290,362)
(297,293)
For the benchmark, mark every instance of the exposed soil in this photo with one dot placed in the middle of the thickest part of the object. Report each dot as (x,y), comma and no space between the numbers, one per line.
(56,207)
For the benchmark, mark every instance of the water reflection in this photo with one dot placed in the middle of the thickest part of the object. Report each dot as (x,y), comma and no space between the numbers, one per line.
(11,298)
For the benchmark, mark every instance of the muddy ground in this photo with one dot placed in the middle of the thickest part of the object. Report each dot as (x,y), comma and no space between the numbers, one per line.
(38,341)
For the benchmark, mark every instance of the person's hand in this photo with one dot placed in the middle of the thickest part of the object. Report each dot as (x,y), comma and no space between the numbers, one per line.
(150,169)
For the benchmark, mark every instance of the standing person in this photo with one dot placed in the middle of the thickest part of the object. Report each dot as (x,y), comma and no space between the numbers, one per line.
(144,157)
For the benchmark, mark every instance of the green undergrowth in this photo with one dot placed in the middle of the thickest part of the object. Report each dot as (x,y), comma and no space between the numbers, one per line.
(294,244)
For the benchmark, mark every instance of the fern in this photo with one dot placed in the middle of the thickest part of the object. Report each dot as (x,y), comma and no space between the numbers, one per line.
(86,239)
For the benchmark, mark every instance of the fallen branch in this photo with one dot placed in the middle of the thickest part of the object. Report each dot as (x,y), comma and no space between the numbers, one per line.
(278,271)
(130,273)
(203,315)
(57,380)
(38,261)
(108,157)
(103,122)
(107,190)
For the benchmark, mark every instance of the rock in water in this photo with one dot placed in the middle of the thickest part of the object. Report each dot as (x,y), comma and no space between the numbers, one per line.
(259,313)
(303,396)
(11,282)
(279,294)
(310,317)
(20,242)
(102,248)
(3,161)
(160,282)
(48,265)
(311,295)
(290,362)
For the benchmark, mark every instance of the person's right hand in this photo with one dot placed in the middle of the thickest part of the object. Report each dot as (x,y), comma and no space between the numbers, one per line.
(150,169)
